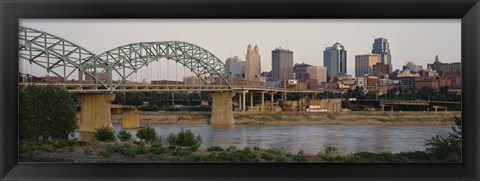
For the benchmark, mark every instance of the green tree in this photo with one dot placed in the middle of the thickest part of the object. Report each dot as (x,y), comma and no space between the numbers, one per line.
(148,134)
(186,139)
(46,112)
(105,133)
(447,147)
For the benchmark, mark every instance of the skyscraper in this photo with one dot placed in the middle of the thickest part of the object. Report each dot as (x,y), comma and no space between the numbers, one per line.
(236,66)
(282,64)
(364,63)
(412,66)
(335,59)
(317,72)
(381,47)
(252,62)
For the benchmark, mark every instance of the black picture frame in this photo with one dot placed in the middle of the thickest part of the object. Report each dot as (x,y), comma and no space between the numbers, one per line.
(466,10)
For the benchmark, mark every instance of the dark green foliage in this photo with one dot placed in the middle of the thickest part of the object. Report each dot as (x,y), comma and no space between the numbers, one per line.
(299,157)
(46,112)
(124,135)
(105,133)
(150,108)
(45,146)
(214,148)
(120,149)
(185,139)
(64,143)
(157,149)
(447,147)
(141,149)
(231,148)
(238,156)
(172,147)
(182,151)
(148,134)
(417,156)
(88,151)
(330,149)
(161,100)
(424,93)
(267,156)
(105,153)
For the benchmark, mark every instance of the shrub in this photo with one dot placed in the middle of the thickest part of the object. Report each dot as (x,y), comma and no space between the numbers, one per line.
(148,134)
(124,136)
(267,156)
(105,153)
(64,143)
(172,147)
(447,147)
(231,148)
(299,157)
(88,151)
(41,106)
(141,149)
(105,133)
(157,149)
(238,156)
(280,158)
(121,149)
(330,149)
(185,139)
(214,148)
(256,148)
(182,151)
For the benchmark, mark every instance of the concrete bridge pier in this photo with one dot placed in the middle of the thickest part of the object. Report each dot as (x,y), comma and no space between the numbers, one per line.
(95,111)
(222,113)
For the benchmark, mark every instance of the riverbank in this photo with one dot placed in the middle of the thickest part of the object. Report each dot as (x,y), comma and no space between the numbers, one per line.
(302,118)
(139,152)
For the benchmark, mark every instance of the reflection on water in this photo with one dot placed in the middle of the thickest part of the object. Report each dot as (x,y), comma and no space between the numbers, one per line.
(311,138)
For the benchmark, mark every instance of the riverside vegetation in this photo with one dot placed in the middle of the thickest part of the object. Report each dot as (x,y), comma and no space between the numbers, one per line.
(52,144)
(185,147)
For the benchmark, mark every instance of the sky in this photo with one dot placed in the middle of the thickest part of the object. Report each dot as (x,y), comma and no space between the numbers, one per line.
(417,40)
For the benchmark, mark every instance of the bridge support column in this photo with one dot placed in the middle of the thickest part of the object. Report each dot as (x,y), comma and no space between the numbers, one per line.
(244,99)
(251,102)
(263,102)
(240,102)
(95,111)
(222,113)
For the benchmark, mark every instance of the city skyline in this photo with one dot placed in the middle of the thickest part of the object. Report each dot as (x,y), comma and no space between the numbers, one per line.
(410,40)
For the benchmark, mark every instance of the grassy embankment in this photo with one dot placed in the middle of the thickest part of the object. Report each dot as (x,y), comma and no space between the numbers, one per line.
(80,151)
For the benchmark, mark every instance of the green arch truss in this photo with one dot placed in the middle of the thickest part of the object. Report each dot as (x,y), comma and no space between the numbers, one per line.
(68,60)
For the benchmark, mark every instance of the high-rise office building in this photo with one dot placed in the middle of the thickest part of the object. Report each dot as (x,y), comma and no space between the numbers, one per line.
(252,62)
(443,68)
(364,64)
(282,64)
(300,69)
(335,59)
(317,72)
(381,47)
(380,69)
(412,67)
(236,66)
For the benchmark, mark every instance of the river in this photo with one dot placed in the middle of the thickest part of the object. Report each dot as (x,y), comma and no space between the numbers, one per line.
(312,138)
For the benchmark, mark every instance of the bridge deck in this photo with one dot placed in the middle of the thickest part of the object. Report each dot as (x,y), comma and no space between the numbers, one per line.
(98,88)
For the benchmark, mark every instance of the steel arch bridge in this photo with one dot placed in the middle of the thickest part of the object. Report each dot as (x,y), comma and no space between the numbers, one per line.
(65,59)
